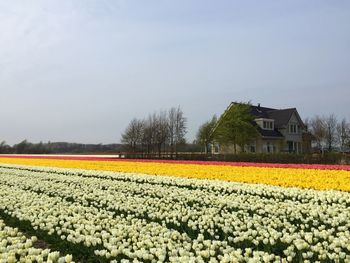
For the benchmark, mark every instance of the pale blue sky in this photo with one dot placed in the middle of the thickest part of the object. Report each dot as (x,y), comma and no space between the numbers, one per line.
(79,70)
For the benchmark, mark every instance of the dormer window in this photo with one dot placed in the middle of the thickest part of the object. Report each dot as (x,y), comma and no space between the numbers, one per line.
(268,125)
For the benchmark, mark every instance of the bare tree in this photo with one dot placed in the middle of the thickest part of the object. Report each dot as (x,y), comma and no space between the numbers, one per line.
(161,133)
(307,123)
(343,134)
(158,132)
(172,128)
(133,134)
(148,135)
(331,131)
(177,128)
(318,129)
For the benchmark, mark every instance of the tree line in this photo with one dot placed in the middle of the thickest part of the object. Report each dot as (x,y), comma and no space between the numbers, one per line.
(25,147)
(329,133)
(164,132)
(161,131)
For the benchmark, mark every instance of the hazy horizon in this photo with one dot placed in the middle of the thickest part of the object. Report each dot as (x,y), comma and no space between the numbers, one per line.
(79,71)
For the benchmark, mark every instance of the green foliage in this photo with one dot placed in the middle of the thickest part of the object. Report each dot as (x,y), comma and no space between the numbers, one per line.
(205,134)
(236,126)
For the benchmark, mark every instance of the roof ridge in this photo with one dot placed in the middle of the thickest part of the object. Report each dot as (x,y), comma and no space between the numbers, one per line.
(284,109)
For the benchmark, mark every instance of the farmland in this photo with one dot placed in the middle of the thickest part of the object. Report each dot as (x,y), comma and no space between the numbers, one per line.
(133,211)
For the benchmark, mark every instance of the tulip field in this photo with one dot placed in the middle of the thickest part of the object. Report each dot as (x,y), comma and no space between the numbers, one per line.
(65,209)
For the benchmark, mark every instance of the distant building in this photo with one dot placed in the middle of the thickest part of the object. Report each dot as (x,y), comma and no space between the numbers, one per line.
(279,130)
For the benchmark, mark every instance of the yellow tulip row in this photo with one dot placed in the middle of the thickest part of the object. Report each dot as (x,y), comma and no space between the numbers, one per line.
(287,177)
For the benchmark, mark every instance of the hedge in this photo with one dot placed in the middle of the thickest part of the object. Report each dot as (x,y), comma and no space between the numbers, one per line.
(327,158)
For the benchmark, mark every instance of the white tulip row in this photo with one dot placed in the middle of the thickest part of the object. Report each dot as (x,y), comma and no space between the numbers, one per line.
(15,247)
(217,186)
(189,220)
(128,236)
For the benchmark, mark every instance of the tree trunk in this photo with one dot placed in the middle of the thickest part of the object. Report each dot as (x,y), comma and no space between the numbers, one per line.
(175,148)
(171,150)
(159,149)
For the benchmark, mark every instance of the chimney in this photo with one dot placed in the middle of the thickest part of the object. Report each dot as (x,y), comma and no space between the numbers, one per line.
(259,106)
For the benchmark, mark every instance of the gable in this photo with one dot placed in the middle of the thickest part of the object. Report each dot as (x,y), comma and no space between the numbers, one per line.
(295,119)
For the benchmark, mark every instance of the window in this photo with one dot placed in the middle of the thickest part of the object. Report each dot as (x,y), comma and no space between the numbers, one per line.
(216,149)
(268,125)
(268,147)
(294,147)
(274,148)
(252,148)
(293,128)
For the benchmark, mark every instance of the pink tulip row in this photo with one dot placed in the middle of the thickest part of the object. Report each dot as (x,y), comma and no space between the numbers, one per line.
(117,158)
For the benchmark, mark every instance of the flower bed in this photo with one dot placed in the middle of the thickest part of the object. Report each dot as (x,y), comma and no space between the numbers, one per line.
(15,247)
(118,159)
(317,177)
(124,217)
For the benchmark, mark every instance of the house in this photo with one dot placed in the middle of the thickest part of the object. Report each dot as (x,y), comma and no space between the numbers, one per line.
(279,130)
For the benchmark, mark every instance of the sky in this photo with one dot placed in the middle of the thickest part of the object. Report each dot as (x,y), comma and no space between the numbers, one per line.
(80,70)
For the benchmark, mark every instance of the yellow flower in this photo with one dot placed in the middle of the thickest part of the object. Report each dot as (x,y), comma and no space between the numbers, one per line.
(286,177)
